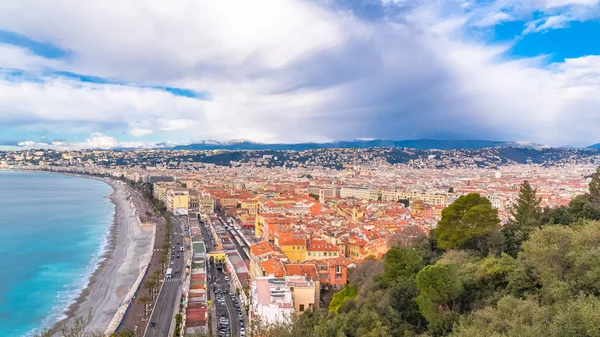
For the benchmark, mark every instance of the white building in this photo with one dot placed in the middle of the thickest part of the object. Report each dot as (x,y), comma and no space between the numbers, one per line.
(362,193)
(271,300)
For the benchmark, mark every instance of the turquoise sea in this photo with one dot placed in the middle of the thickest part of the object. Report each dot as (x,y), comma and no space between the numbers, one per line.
(53,233)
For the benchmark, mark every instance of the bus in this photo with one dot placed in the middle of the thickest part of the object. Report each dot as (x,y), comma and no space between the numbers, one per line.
(169,271)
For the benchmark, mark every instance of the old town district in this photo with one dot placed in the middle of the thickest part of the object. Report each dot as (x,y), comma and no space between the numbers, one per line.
(287,247)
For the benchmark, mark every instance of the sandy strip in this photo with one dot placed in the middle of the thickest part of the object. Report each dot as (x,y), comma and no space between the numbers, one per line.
(110,283)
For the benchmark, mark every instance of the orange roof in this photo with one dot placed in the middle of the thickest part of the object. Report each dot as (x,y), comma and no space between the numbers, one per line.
(307,269)
(273,267)
(321,246)
(261,248)
(289,240)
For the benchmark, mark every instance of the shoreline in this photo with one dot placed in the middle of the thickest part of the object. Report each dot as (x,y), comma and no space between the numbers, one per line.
(118,266)
(79,301)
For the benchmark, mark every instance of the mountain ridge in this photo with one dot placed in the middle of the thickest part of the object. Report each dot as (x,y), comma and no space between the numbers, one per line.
(420,144)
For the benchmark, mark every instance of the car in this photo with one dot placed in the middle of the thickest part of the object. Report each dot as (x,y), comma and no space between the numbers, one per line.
(152,324)
(172,262)
(177,256)
(226,277)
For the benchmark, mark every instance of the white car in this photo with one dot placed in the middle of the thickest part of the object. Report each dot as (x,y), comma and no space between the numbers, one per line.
(227,278)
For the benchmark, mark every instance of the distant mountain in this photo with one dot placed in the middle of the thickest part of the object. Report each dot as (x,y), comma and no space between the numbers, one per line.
(420,144)
(594,146)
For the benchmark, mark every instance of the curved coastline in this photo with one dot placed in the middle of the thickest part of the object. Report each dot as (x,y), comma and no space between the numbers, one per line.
(113,268)
(101,258)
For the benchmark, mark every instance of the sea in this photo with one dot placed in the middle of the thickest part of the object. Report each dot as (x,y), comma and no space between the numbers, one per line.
(54,230)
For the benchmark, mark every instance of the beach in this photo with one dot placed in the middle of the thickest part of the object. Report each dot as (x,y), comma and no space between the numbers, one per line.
(128,252)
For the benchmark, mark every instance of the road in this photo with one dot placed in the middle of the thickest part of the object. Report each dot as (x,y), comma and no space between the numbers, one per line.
(167,301)
(219,287)
(136,317)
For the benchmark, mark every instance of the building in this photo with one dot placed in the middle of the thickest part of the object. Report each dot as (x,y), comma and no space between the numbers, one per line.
(206,204)
(196,310)
(428,199)
(362,193)
(177,200)
(321,249)
(271,300)
(333,272)
(159,190)
(293,246)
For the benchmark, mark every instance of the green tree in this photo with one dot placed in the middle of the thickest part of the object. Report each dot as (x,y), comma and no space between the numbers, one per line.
(556,216)
(439,288)
(583,207)
(594,187)
(526,218)
(466,223)
(342,296)
(400,262)
(314,196)
(511,317)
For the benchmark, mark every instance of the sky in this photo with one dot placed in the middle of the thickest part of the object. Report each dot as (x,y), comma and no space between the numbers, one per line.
(105,74)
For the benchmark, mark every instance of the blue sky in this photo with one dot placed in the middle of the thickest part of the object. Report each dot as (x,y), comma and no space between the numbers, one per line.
(145,72)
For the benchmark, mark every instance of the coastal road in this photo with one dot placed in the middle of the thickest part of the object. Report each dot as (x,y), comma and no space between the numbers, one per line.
(136,317)
(168,299)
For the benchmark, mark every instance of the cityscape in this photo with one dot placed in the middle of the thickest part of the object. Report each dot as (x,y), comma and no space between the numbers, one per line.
(269,235)
(300,168)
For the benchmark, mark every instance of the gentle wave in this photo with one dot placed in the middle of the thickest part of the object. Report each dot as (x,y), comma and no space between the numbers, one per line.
(68,297)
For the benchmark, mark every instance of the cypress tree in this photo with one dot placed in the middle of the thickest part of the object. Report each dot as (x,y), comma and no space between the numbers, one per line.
(595,187)
(526,218)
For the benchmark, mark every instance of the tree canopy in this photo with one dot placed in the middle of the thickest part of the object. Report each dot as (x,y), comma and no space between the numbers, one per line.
(466,223)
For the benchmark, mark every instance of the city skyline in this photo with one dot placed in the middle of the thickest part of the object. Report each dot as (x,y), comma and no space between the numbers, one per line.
(141,73)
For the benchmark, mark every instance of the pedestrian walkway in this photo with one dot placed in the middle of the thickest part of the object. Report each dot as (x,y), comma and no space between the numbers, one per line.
(176,279)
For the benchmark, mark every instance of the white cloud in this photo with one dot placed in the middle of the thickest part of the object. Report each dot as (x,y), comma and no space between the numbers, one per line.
(544,24)
(284,70)
(13,57)
(99,141)
(138,132)
(493,19)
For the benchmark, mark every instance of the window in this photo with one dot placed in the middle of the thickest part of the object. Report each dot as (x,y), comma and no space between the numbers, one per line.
(301,307)
(338,269)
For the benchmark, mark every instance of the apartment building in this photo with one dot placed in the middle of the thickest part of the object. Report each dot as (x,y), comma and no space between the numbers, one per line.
(177,200)
(362,193)
(428,199)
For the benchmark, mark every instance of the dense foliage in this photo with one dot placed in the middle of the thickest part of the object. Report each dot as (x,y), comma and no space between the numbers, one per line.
(542,277)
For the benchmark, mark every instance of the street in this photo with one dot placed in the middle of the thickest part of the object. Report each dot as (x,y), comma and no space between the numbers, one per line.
(225,304)
(168,299)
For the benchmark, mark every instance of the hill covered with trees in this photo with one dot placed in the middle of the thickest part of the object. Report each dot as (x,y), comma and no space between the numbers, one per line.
(539,275)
